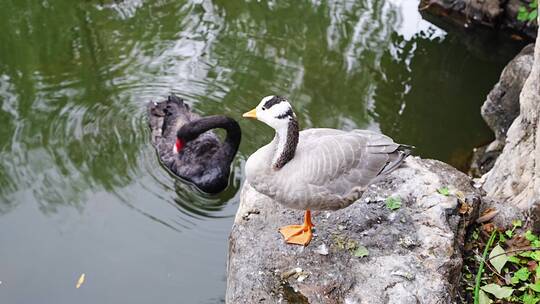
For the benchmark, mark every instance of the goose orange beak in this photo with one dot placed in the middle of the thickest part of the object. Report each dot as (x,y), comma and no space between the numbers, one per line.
(250,114)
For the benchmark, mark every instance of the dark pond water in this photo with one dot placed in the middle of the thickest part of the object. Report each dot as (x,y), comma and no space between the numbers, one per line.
(81,189)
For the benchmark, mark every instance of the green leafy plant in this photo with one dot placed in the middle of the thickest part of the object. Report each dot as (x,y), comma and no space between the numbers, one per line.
(498,258)
(515,224)
(521,275)
(498,291)
(508,270)
(481,268)
(529,299)
(528,13)
(393,203)
(530,236)
(444,191)
(361,252)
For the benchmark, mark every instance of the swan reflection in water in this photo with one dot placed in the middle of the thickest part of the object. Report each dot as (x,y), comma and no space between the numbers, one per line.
(195,203)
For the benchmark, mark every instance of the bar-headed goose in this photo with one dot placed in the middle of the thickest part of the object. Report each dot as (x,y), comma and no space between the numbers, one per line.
(316,169)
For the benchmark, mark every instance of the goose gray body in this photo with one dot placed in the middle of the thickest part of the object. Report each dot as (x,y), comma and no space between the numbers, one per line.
(316,169)
(330,168)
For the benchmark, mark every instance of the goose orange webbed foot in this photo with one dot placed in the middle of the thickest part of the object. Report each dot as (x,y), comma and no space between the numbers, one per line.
(298,234)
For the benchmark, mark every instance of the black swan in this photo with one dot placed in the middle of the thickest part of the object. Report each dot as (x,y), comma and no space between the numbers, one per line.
(187,146)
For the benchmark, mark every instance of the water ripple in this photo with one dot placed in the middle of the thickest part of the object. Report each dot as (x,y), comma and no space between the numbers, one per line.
(75,140)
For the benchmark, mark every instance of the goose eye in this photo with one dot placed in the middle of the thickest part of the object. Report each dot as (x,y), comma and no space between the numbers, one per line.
(263,108)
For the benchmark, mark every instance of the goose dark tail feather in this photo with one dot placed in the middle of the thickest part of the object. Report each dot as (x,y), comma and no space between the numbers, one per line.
(397,158)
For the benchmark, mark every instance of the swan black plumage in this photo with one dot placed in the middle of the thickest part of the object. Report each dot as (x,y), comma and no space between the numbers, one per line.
(187,146)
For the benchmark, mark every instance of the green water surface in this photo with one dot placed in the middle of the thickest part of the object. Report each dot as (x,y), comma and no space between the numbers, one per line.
(81,189)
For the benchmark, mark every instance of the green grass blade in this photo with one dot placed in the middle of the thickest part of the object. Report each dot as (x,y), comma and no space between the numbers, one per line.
(481,267)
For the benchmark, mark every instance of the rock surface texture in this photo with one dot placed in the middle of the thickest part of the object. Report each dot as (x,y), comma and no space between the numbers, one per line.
(502,107)
(492,13)
(413,253)
(502,104)
(515,177)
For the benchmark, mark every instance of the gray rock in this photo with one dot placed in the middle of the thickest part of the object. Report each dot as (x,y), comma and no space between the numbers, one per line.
(414,252)
(502,104)
(501,108)
(515,177)
(482,161)
(499,14)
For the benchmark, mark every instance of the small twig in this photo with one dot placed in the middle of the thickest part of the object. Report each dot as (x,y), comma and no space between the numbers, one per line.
(490,267)
(481,268)
(515,250)
(527,218)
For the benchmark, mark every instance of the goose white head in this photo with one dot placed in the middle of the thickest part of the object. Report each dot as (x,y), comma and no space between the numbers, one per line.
(277,112)
(274,111)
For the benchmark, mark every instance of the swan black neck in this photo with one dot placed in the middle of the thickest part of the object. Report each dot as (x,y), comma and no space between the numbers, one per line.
(287,144)
(195,128)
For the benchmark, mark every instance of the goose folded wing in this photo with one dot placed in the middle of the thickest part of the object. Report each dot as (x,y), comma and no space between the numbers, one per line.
(338,161)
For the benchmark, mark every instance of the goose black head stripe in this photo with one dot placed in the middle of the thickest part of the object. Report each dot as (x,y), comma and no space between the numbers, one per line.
(289,113)
(273,101)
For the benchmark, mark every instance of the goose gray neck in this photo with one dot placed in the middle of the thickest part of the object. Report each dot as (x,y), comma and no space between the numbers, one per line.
(287,140)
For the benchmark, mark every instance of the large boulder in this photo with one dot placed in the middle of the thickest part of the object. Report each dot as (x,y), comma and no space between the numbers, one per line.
(413,253)
(502,103)
(514,180)
(502,107)
(500,14)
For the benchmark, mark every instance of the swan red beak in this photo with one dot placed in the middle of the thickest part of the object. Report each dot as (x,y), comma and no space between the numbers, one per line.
(250,114)
(178,145)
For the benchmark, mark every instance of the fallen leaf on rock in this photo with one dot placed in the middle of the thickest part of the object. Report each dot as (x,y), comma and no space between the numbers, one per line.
(464,208)
(489,227)
(285,275)
(361,251)
(80,281)
(487,215)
